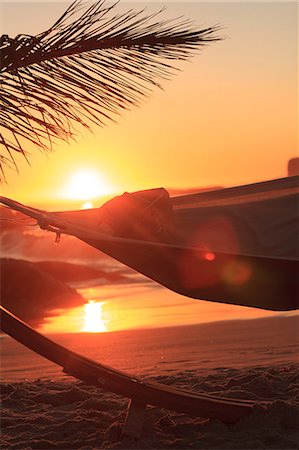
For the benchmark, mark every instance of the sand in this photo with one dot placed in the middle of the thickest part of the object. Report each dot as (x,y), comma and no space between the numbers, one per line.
(47,414)
(256,360)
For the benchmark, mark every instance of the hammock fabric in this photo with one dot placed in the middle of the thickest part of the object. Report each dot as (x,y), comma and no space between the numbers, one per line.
(236,245)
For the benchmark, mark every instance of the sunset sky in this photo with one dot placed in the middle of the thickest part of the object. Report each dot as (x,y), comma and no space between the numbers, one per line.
(228,118)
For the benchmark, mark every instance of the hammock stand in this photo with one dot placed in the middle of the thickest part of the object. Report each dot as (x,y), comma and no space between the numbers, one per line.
(139,392)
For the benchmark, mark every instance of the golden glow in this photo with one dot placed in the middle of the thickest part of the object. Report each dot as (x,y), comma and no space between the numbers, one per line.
(136,305)
(237,136)
(206,129)
(94,322)
(87,205)
(85,184)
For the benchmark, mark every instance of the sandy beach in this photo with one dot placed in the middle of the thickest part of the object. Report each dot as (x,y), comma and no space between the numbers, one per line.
(42,408)
(69,415)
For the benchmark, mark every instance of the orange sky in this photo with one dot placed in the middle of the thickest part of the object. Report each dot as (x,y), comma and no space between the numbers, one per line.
(229,117)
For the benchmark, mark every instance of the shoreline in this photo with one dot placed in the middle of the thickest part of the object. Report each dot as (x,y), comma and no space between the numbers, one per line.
(147,352)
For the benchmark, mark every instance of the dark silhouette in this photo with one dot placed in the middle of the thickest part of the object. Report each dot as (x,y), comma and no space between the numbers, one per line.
(293,167)
(32,293)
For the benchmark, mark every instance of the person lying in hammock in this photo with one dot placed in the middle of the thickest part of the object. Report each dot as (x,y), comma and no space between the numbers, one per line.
(147,215)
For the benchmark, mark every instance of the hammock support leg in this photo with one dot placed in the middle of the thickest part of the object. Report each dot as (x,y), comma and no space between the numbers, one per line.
(134,421)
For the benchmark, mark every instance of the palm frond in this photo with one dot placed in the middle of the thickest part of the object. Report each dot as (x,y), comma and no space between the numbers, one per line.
(92,63)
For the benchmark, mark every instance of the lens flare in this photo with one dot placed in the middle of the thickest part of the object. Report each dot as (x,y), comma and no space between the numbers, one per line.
(237,273)
(210,256)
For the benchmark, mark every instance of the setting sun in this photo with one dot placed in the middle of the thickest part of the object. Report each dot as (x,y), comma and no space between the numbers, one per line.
(94,322)
(86,184)
(87,205)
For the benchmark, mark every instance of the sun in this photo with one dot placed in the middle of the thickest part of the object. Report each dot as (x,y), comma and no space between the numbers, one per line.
(86,184)
(94,322)
(87,205)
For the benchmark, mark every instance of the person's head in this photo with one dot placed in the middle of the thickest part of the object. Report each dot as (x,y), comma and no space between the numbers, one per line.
(293,167)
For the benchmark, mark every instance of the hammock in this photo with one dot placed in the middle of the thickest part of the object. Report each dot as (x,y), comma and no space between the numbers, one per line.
(236,245)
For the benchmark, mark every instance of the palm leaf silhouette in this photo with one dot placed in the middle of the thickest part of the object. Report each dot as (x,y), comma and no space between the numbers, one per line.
(92,63)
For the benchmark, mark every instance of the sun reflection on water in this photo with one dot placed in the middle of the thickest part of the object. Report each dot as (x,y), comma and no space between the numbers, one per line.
(135,306)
